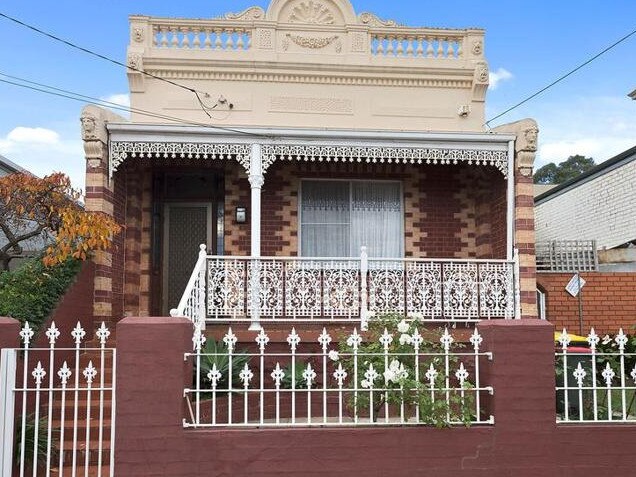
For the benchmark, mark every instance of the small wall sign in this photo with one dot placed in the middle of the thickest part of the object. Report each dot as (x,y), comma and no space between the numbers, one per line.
(575,284)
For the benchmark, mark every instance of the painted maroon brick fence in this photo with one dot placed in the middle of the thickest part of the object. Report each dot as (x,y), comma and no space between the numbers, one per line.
(525,441)
(609,302)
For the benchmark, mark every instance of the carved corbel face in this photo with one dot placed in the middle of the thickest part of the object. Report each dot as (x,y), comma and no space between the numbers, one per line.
(89,126)
(530,135)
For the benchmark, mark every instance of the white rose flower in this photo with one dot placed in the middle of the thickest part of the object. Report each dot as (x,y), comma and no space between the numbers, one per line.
(333,355)
(406,339)
(396,371)
(370,314)
(416,315)
(389,375)
(403,326)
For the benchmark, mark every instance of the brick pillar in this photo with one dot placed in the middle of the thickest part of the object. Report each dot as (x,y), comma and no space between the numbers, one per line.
(524,241)
(522,375)
(526,131)
(100,197)
(151,375)
(9,333)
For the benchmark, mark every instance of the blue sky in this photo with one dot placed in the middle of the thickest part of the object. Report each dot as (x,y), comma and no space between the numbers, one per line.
(528,45)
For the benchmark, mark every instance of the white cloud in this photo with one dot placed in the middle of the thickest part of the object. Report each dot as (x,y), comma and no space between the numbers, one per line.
(120,99)
(33,135)
(498,76)
(43,151)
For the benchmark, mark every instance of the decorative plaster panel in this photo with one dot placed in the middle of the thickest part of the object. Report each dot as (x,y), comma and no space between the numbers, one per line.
(285,104)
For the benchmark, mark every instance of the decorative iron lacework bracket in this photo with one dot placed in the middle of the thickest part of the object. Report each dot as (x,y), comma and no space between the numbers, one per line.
(120,151)
(385,155)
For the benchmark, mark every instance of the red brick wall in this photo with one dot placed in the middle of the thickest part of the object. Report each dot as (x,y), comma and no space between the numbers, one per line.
(440,205)
(524,441)
(609,302)
(237,193)
(120,203)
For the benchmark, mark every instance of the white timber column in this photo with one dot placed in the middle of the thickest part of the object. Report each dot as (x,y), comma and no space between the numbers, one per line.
(510,202)
(256,180)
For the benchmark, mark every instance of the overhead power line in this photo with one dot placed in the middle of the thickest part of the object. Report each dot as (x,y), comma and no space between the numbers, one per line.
(106,58)
(63,93)
(558,80)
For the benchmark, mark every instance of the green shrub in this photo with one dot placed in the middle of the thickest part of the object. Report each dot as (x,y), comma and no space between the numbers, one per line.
(29,442)
(31,292)
(216,354)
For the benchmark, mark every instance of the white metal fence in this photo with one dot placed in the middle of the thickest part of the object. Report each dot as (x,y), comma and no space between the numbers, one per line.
(390,375)
(342,289)
(58,407)
(596,378)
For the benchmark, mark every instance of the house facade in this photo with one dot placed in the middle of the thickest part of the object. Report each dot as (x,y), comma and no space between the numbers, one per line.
(334,165)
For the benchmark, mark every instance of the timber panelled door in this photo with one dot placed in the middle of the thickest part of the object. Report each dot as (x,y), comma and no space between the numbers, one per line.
(190,212)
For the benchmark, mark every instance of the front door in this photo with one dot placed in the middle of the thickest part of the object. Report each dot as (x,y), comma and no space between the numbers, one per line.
(186,226)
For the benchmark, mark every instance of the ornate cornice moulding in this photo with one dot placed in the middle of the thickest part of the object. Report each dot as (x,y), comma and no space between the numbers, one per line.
(311,78)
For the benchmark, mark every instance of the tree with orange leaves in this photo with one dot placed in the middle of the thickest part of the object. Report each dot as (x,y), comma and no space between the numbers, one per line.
(49,207)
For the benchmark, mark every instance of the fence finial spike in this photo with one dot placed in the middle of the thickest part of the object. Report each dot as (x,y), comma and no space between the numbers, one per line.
(52,333)
(102,334)
(78,333)
(64,373)
(324,339)
(38,373)
(26,333)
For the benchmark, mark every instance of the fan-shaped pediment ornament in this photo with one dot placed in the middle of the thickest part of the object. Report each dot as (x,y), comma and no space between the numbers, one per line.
(311,12)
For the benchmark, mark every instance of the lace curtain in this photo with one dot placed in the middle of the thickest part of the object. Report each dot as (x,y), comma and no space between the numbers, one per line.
(338,217)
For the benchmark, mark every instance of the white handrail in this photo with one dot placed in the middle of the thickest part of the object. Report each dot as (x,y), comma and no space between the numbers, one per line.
(192,303)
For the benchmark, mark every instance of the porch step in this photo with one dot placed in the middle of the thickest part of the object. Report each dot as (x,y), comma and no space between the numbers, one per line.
(93,471)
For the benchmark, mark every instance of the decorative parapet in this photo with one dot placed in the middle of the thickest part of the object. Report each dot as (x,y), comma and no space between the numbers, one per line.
(309,27)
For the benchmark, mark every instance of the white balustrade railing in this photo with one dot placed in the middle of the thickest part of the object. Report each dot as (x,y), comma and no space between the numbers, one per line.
(234,35)
(218,35)
(387,376)
(57,406)
(417,44)
(596,378)
(344,289)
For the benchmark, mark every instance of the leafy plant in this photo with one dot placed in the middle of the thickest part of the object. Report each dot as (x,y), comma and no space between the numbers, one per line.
(29,441)
(390,377)
(298,369)
(31,206)
(215,355)
(32,291)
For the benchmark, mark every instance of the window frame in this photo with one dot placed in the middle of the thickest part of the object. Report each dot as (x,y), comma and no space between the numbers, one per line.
(350,182)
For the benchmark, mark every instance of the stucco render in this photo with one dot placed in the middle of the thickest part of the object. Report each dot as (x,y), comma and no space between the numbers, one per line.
(297,66)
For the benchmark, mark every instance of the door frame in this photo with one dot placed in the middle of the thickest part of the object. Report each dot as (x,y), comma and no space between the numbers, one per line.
(166,243)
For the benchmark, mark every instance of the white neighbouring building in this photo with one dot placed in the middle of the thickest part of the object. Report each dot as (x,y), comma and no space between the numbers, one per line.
(598,205)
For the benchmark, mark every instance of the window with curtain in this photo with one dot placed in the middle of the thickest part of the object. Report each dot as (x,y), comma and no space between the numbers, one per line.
(339,217)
